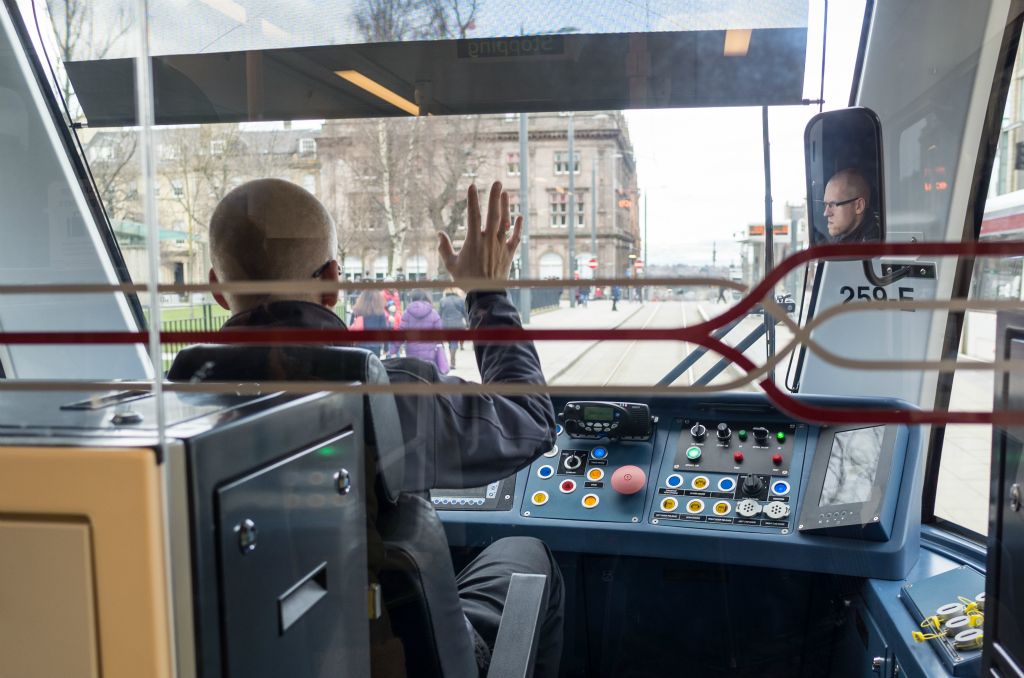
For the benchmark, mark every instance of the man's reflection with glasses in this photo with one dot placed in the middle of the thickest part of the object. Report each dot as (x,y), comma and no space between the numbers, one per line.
(847,208)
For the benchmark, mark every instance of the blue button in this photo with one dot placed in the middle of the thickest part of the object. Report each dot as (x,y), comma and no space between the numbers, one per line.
(545,471)
(781,487)
(599,453)
(558,429)
(674,481)
(726,484)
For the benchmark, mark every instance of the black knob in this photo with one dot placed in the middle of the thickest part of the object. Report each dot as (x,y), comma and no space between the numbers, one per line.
(760,433)
(573,462)
(698,432)
(752,485)
(724,432)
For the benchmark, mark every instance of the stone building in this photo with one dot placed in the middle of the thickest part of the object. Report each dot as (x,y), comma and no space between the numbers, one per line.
(390,185)
(426,164)
(605,185)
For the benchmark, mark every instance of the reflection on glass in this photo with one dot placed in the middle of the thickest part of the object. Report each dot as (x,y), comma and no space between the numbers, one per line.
(852,466)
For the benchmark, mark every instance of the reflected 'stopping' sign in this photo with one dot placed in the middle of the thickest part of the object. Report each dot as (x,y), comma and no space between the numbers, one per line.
(518,46)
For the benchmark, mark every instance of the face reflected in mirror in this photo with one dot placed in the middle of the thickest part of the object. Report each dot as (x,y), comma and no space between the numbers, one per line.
(843,156)
(846,208)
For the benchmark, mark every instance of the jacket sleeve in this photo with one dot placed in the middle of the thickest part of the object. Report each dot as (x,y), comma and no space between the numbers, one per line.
(467,440)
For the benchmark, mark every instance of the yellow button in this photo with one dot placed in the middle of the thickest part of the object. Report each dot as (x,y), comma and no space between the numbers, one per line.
(595,474)
(539,498)
(590,501)
(669,504)
(695,506)
(700,482)
(722,508)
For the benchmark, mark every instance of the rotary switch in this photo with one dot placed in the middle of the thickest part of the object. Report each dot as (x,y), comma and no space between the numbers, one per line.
(723,432)
(699,432)
(760,434)
(752,485)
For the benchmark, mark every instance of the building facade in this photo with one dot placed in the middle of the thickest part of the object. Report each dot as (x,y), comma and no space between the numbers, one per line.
(390,185)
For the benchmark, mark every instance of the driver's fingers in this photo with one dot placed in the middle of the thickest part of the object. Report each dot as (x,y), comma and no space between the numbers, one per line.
(473,213)
(504,224)
(447,252)
(517,232)
(493,207)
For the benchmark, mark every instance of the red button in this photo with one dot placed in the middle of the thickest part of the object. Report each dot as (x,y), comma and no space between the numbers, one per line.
(777,459)
(568,485)
(629,479)
(738,456)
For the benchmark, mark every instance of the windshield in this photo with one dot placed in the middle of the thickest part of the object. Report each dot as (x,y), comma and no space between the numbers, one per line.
(645,194)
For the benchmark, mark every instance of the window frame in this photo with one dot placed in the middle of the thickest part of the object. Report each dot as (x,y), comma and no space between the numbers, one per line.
(963,275)
(564,155)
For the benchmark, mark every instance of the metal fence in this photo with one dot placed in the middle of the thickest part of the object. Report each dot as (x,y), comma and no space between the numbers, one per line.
(210,318)
(540,298)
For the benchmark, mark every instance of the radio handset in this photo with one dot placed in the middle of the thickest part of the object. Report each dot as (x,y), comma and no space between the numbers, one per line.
(616,421)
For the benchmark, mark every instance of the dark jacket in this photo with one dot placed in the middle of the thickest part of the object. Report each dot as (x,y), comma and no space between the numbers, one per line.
(868,230)
(453,311)
(452,440)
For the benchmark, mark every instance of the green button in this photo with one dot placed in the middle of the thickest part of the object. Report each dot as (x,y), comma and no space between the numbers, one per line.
(742,435)
(693,454)
(781,436)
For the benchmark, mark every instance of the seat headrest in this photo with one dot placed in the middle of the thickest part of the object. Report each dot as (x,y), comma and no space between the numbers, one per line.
(216,362)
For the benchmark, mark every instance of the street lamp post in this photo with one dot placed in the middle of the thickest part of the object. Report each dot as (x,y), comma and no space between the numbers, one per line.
(525,299)
(572,207)
(593,214)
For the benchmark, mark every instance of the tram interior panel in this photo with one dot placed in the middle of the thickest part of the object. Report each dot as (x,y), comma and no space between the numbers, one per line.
(266,513)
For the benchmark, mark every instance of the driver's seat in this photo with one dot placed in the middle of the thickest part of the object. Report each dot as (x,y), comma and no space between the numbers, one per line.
(417,579)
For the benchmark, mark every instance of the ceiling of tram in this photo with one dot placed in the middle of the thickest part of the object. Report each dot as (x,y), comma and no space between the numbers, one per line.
(476,75)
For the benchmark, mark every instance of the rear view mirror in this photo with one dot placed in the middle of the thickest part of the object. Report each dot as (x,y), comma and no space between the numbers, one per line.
(843,157)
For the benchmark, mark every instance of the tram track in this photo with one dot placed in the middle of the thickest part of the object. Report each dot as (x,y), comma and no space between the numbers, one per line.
(604,364)
(629,349)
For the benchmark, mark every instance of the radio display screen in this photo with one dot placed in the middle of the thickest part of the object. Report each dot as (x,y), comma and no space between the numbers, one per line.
(852,465)
(598,413)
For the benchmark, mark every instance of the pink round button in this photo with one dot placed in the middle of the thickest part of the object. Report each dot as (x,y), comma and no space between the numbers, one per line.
(629,479)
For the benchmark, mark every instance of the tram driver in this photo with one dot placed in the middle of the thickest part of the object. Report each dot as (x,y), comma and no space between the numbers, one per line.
(270,229)
(847,206)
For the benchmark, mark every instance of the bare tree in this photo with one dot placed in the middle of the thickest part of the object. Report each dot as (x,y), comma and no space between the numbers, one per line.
(81,35)
(418,165)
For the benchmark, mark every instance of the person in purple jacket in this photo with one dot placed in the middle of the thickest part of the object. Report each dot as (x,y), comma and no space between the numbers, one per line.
(421,315)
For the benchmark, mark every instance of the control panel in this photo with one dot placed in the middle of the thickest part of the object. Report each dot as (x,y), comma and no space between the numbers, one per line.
(738,474)
(723,478)
(580,479)
(496,496)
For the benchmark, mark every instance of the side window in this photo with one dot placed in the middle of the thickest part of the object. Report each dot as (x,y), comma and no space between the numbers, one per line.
(962,492)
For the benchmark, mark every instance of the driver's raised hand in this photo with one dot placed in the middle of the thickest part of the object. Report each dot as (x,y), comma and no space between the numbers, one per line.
(489,249)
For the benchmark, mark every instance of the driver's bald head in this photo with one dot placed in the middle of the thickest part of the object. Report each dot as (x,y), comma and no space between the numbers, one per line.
(269,229)
(851,184)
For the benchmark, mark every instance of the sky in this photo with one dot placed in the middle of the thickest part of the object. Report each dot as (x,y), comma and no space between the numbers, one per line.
(702,170)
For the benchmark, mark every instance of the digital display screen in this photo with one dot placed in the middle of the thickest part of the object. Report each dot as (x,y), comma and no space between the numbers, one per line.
(598,413)
(467,492)
(852,466)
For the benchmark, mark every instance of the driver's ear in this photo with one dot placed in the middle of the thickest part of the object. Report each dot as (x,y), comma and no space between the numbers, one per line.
(217,296)
(862,205)
(330,274)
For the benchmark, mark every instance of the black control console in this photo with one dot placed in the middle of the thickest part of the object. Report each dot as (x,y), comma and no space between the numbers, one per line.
(615,421)
(496,496)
